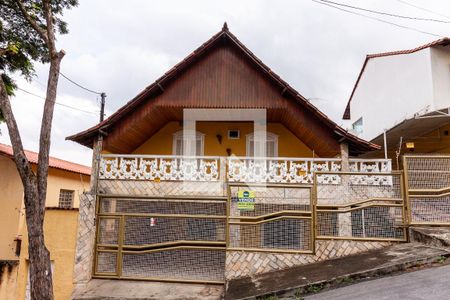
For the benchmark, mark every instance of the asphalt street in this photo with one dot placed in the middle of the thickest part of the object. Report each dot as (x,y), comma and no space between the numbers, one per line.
(433,283)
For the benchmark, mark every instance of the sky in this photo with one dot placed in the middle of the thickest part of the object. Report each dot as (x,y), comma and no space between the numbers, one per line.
(120,47)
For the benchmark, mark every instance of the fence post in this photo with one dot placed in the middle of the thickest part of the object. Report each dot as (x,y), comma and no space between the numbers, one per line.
(345,219)
(406,204)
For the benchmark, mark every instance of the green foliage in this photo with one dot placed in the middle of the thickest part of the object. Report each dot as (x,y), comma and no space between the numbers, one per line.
(20,44)
(441,259)
(298,294)
(315,288)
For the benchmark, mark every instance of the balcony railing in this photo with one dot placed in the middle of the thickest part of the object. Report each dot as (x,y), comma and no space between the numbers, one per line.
(236,169)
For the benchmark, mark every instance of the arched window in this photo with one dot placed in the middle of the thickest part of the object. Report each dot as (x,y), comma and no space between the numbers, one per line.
(177,147)
(271,144)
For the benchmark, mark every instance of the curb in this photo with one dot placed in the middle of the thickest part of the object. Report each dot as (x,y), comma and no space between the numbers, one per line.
(298,292)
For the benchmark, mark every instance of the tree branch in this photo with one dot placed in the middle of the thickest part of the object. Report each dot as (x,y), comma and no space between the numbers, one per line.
(50,29)
(32,22)
(23,166)
(46,126)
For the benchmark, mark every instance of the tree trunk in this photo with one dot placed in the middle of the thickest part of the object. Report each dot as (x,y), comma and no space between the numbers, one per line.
(41,286)
(35,187)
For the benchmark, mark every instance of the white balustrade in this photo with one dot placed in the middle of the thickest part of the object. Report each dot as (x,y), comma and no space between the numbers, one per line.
(278,170)
(167,168)
(239,169)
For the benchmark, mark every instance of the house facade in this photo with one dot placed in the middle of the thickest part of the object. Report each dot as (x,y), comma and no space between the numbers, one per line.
(66,182)
(215,172)
(407,94)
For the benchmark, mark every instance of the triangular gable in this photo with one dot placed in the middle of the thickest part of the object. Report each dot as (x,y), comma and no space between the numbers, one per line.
(222,73)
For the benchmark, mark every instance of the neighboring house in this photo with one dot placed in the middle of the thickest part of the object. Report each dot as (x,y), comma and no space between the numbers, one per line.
(406,93)
(66,181)
(163,216)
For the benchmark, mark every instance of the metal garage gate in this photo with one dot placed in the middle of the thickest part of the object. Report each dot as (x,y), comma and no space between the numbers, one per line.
(428,189)
(161,238)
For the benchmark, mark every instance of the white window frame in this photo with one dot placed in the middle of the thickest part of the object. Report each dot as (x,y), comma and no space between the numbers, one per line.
(357,126)
(179,136)
(234,138)
(271,137)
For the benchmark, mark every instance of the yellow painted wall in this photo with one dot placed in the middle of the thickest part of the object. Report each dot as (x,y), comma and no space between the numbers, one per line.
(60,226)
(11,200)
(11,196)
(60,229)
(59,179)
(437,141)
(8,279)
(161,142)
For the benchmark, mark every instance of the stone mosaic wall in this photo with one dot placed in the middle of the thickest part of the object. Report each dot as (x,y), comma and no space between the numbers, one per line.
(84,255)
(242,264)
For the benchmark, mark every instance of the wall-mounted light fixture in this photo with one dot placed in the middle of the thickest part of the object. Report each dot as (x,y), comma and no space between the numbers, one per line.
(219,138)
(229,151)
(410,146)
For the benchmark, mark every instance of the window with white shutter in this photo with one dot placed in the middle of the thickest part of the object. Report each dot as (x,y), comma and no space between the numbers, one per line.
(178,143)
(271,145)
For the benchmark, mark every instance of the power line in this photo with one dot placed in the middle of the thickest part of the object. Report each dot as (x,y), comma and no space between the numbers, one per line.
(61,104)
(424,9)
(384,13)
(79,85)
(377,19)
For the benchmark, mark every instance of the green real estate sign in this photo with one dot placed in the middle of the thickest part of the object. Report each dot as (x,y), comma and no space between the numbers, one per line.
(246,200)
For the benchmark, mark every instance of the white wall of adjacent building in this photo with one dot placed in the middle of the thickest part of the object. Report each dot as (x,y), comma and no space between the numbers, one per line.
(440,66)
(395,88)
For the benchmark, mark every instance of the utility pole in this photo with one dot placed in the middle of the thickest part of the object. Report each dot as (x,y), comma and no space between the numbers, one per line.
(102,106)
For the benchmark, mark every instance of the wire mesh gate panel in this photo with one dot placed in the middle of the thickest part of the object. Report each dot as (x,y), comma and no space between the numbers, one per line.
(428,186)
(270,218)
(162,238)
(360,206)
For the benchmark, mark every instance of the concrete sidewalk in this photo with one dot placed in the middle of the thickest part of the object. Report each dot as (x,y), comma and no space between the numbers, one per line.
(104,289)
(425,284)
(296,281)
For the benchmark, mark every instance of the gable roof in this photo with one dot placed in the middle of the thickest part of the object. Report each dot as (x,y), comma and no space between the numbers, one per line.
(87,137)
(441,42)
(53,162)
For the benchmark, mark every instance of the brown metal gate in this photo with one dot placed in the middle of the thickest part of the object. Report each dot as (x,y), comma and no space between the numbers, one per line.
(279,220)
(360,206)
(170,238)
(428,189)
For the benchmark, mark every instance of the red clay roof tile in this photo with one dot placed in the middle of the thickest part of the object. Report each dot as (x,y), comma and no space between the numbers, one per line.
(53,161)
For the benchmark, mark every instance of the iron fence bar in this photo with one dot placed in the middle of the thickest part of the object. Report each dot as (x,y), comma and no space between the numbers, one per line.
(429,195)
(405,218)
(407,190)
(270,220)
(172,248)
(145,215)
(270,185)
(227,230)
(121,240)
(161,279)
(375,239)
(441,190)
(430,223)
(164,197)
(173,244)
(362,202)
(274,250)
(313,207)
(281,212)
(337,210)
